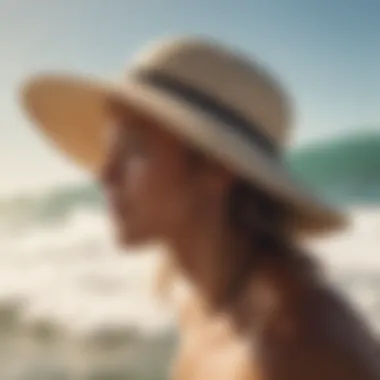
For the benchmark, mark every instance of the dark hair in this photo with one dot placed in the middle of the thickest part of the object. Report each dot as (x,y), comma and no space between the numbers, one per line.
(260,217)
(255,214)
(268,224)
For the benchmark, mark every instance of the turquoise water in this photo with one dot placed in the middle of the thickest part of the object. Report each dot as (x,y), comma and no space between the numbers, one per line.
(345,170)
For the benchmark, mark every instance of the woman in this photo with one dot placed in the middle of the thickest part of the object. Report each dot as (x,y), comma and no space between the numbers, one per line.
(188,150)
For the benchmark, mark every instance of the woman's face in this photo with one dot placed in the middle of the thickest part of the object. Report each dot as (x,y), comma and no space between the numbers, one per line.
(153,189)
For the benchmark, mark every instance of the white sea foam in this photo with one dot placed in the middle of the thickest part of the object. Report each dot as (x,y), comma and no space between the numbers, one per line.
(70,278)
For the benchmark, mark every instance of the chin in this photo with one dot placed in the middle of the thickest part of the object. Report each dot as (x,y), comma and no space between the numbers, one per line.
(130,239)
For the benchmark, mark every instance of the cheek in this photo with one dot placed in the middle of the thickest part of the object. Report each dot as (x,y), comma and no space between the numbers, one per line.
(162,196)
(143,187)
(137,178)
(175,203)
(142,191)
(138,201)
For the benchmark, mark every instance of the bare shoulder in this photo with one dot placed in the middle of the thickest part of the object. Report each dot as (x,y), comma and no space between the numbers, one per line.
(305,329)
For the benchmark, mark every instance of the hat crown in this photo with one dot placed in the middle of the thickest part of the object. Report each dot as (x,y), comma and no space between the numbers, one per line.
(226,76)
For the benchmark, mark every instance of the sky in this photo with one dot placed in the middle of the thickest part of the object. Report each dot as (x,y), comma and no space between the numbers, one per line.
(326,52)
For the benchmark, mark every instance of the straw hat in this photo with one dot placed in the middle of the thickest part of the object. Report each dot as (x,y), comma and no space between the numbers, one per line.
(209,96)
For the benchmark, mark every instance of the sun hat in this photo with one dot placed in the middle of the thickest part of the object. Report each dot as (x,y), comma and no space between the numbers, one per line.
(209,95)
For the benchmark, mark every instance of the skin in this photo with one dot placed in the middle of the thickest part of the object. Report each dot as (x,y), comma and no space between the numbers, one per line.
(265,318)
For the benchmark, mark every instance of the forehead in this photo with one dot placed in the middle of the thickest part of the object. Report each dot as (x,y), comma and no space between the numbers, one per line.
(128,118)
(126,122)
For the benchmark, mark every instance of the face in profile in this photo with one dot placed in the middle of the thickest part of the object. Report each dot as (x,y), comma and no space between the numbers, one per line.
(153,190)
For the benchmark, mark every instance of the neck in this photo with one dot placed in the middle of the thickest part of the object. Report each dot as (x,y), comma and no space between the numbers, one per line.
(214,259)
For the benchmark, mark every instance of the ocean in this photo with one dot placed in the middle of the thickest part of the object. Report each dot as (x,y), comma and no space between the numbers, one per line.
(73,307)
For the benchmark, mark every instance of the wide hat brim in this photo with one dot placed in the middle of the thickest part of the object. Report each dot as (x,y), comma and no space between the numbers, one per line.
(72,112)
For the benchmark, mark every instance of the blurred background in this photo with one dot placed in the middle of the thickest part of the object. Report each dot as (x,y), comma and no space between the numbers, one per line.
(72,306)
